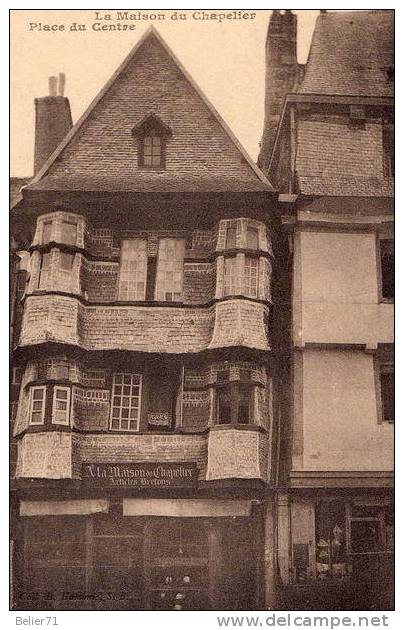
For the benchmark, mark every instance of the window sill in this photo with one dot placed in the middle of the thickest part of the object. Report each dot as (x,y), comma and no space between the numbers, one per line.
(239,427)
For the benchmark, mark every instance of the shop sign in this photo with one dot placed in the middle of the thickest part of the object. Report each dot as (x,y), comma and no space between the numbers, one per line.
(147,475)
(161,419)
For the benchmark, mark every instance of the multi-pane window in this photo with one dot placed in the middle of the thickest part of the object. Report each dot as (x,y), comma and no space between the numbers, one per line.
(230,276)
(387,267)
(69,233)
(251,277)
(152,147)
(132,276)
(45,274)
(61,406)
(37,405)
(233,268)
(65,270)
(125,407)
(252,238)
(231,236)
(170,265)
(387,392)
(62,281)
(234,403)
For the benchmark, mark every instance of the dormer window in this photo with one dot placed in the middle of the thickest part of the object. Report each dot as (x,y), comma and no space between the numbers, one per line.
(152,135)
(151,152)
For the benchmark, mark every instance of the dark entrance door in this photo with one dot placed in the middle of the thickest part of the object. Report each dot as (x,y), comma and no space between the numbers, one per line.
(178,564)
(116,576)
(239,566)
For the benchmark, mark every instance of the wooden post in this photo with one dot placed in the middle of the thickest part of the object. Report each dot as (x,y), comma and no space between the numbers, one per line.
(89,558)
(215,566)
(269,556)
(283,537)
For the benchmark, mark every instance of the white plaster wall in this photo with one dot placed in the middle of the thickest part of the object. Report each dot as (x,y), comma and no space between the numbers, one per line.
(336,296)
(340,414)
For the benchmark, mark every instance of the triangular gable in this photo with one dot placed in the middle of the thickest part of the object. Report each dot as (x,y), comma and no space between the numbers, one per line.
(207,143)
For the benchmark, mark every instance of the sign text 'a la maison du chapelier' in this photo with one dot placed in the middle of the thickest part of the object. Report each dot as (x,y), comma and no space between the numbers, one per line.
(141,474)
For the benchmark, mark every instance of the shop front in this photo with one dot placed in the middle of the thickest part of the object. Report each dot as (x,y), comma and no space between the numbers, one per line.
(136,553)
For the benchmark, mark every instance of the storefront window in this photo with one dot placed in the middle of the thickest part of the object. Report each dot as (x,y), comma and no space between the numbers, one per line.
(179,565)
(331,557)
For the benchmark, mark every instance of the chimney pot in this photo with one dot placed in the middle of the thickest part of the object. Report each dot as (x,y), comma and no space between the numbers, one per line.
(53,120)
(52,86)
(62,83)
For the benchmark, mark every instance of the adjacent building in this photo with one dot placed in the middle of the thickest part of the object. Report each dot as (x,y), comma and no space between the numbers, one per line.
(328,149)
(203,381)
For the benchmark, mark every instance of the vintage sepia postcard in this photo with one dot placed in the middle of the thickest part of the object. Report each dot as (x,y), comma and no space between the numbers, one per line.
(202,304)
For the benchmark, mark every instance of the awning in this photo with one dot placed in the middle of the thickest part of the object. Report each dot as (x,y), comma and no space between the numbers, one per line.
(55,508)
(186,507)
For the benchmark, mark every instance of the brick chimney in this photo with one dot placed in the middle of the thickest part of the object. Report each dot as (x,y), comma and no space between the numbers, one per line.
(281,74)
(53,120)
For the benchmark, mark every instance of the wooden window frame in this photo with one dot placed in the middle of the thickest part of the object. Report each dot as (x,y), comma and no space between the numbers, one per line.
(62,240)
(385,368)
(246,289)
(232,284)
(137,297)
(159,285)
(121,395)
(46,269)
(46,223)
(250,229)
(234,390)
(17,370)
(230,271)
(31,405)
(231,243)
(66,422)
(380,240)
(153,133)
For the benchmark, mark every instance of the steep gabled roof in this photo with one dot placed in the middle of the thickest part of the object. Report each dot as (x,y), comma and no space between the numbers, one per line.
(352,53)
(101,147)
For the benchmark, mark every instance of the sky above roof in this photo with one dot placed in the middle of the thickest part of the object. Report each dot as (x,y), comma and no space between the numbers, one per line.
(225,57)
